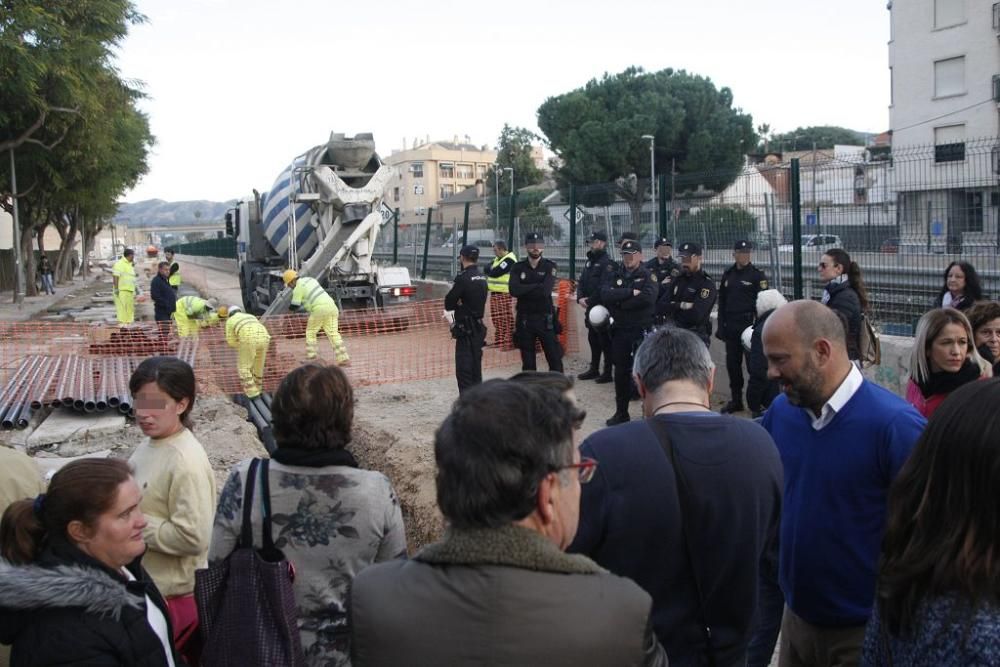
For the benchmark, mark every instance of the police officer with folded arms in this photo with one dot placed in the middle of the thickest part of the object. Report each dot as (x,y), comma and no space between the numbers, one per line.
(663,265)
(741,283)
(630,295)
(467,298)
(689,303)
(595,273)
(531,283)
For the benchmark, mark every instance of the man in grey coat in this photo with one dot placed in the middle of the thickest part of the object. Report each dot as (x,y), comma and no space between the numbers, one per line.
(499,589)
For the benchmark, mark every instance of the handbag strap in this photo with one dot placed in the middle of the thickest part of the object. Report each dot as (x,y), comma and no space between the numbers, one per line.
(683,502)
(265,492)
(246,531)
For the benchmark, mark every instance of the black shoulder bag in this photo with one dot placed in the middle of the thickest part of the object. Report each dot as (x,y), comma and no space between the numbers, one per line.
(683,501)
(246,604)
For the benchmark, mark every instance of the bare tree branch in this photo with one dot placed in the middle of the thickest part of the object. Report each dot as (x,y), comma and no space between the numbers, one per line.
(26,136)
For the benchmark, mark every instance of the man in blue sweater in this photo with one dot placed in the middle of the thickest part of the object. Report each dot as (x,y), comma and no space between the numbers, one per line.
(698,558)
(842,440)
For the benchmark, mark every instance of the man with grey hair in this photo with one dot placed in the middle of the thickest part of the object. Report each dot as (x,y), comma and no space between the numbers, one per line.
(842,441)
(685,503)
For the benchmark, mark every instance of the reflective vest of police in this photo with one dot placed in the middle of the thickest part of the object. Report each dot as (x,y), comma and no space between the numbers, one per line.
(501,283)
(244,322)
(175,278)
(192,306)
(124,270)
(309,294)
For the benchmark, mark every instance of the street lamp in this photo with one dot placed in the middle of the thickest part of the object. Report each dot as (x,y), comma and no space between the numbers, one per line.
(497,171)
(652,174)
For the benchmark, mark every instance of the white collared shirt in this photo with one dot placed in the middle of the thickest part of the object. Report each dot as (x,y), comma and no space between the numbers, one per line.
(836,403)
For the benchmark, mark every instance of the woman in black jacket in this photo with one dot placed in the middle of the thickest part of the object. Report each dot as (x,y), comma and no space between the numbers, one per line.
(72,589)
(961,287)
(845,293)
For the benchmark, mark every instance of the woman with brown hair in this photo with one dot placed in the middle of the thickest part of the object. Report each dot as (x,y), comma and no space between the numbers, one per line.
(845,293)
(330,518)
(178,490)
(72,586)
(942,359)
(938,597)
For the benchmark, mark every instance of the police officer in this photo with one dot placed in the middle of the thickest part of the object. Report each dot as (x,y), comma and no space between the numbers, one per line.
(630,295)
(689,303)
(531,283)
(737,310)
(467,299)
(664,267)
(498,282)
(596,272)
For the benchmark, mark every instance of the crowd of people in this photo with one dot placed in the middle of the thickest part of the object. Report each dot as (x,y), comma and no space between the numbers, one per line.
(844,525)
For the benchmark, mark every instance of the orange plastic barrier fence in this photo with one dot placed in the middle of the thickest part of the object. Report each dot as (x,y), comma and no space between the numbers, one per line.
(400,343)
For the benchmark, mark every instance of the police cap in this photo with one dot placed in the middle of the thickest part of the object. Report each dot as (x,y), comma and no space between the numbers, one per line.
(663,240)
(690,249)
(470,252)
(630,247)
(533,237)
(742,246)
(598,235)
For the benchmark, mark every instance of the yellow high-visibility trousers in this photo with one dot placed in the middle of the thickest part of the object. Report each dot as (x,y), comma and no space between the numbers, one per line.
(125,307)
(250,358)
(325,318)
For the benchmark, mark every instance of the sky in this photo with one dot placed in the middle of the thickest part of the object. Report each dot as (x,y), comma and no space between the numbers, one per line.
(237,88)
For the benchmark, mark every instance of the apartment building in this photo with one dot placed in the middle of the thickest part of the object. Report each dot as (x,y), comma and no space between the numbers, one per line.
(430,171)
(944,60)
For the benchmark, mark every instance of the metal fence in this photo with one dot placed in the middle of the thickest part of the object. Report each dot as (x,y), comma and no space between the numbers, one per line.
(903,213)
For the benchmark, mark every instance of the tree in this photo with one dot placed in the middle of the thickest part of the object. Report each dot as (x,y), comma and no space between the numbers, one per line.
(514,148)
(825,136)
(596,132)
(79,139)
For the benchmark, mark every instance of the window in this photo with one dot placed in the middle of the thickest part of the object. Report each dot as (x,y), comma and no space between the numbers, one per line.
(395,194)
(417,169)
(949,143)
(446,170)
(973,211)
(481,171)
(447,191)
(949,77)
(948,13)
(418,189)
(464,171)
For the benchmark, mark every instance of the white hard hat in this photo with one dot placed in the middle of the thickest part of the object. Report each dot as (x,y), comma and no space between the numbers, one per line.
(746,336)
(235,309)
(598,316)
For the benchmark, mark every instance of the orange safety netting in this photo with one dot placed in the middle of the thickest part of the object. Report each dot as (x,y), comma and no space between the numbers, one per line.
(399,343)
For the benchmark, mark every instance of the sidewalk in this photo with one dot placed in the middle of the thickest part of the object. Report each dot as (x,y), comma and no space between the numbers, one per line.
(36,306)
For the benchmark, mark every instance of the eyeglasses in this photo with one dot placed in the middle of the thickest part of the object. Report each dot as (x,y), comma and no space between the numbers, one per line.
(585,469)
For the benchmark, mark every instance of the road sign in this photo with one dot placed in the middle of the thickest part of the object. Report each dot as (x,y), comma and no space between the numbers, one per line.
(580,215)
(937,229)
(810,218)
(386,213)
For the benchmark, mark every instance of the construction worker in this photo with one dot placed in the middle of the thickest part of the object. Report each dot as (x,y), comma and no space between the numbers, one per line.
(192,313)
(123,277)
(175,269)
(250,338)
(323,314)
(498,284)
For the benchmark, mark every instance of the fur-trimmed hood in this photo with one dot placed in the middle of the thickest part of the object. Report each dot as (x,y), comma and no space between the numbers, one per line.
(31,587)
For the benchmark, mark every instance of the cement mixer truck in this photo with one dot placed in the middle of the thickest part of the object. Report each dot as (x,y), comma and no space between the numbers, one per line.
(322,218)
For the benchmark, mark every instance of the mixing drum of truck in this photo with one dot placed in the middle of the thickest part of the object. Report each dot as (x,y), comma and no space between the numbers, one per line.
(322,218)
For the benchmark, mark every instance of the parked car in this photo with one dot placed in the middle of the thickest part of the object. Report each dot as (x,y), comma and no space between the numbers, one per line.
(890,246)
(815,243)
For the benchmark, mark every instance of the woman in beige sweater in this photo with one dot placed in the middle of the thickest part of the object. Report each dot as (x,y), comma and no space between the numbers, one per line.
(178,490)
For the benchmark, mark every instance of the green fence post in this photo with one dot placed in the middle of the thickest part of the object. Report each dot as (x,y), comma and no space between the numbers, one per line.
(661,189)
(510,230)
(465,225)
(796,230)
(572,233)
(395,236)
(427,244)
